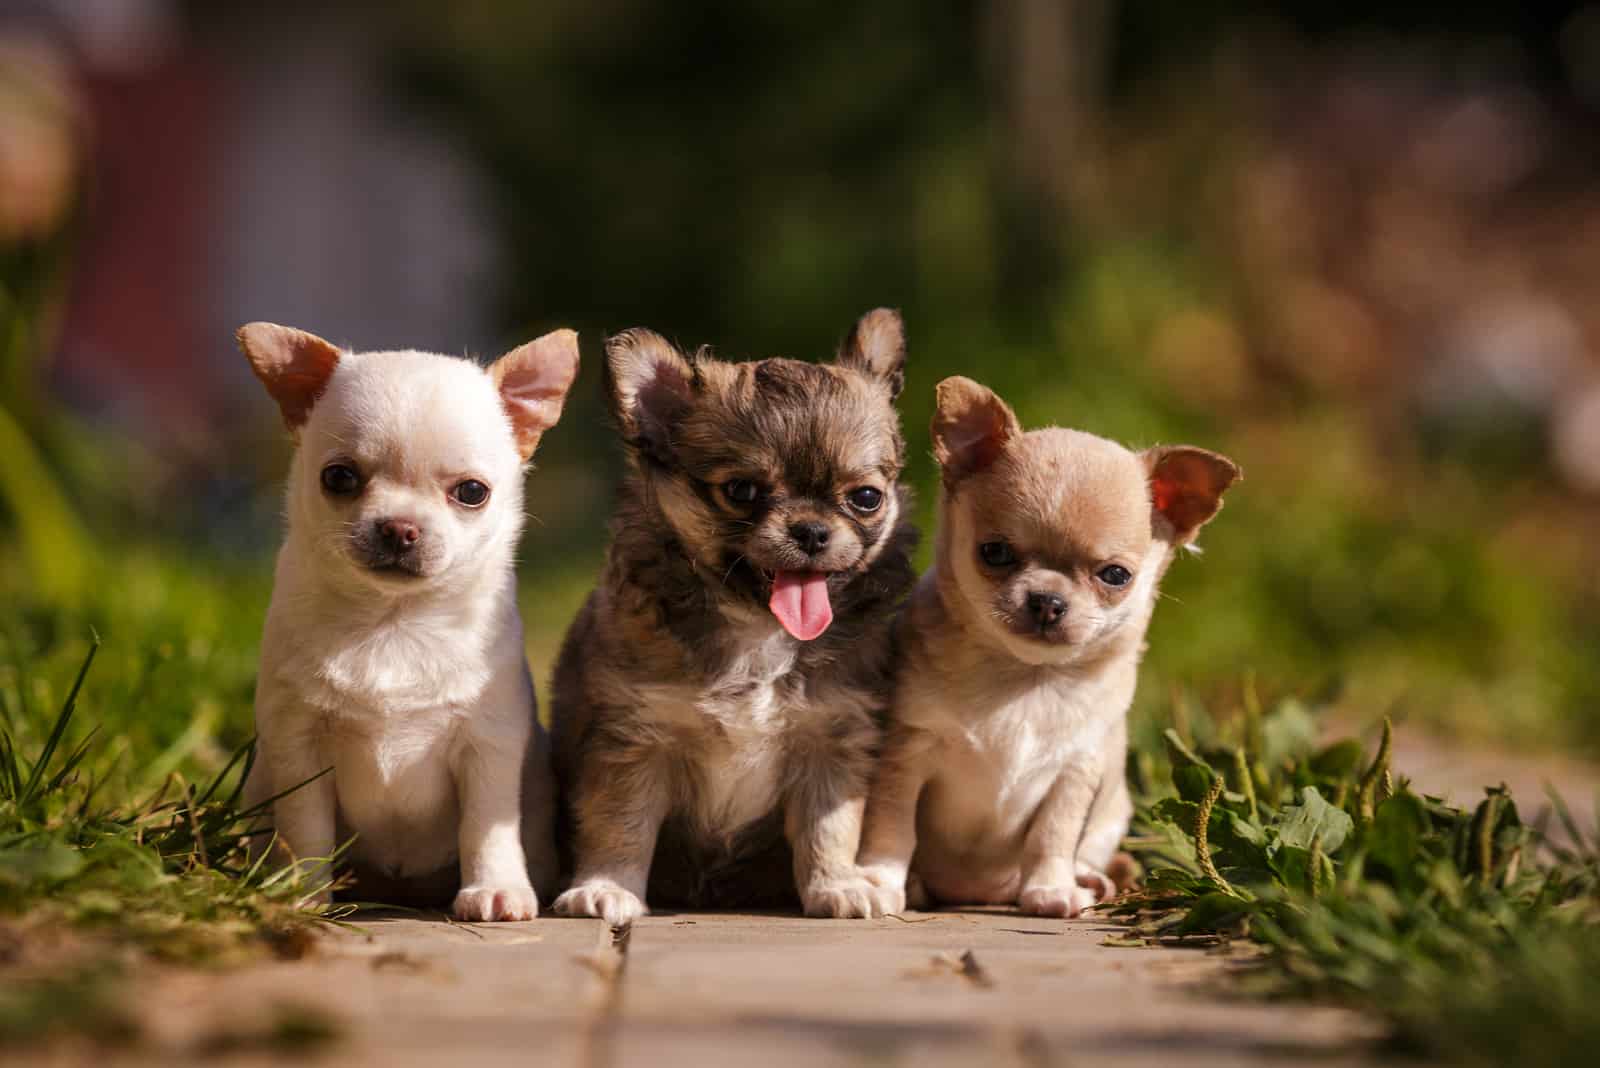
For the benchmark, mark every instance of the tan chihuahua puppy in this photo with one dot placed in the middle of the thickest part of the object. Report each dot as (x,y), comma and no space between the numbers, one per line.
(393,649)
(1002,779)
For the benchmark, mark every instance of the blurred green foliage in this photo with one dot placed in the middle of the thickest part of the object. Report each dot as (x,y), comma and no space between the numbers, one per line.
(755,176)
(33,507)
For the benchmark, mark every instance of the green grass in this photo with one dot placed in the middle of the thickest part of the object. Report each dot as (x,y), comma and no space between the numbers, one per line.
(1475,936)
(177,855)
(98,869)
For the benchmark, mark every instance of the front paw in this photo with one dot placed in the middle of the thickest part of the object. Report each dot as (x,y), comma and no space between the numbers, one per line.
(603,899)
(851,899)
(897,889)
(1063,902)
(491,904)
(1097,882)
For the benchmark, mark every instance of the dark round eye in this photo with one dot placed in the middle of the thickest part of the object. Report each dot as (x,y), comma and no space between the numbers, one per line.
(470,492)
(1115,575)
(866,499)
(741,491)
(997,554)
(341,480)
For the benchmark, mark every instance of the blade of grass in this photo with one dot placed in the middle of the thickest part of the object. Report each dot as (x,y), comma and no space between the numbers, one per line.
(216,782)
(60,728)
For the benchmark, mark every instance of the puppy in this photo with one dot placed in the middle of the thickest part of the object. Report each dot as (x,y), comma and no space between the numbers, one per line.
(717,701)
(393,650)
(1002,779)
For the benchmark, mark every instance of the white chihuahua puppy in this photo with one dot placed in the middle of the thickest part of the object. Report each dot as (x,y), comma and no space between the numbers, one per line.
(393,652)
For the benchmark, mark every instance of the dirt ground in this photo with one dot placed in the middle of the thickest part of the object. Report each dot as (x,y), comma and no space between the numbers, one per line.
(986,987)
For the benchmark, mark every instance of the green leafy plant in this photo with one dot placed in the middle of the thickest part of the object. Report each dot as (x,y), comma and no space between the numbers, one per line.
(1443,920)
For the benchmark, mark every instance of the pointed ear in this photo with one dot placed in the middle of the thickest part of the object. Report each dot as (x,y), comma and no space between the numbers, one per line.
(294,366)
(1186,487)
(533,380)
(650,385)
(877,347)
(971,427)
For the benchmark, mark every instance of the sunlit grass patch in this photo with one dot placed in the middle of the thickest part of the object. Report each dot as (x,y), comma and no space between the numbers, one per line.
(167,877)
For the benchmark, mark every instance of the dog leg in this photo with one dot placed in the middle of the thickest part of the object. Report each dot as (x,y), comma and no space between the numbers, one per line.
(822,820)
(889,834)
(494,871)
(1108,820)
(1050,884)
(620,802)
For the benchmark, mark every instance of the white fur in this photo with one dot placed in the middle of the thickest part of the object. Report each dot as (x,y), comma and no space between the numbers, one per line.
(739,729)
(414,690)
(1004,738)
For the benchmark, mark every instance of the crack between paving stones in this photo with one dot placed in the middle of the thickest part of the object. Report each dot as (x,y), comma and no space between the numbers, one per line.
(610,964)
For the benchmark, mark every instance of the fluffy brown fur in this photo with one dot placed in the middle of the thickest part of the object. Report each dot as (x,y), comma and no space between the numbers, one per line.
(707,755)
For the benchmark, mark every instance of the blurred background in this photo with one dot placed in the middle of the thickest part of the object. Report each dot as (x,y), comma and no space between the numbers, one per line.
(1356,246)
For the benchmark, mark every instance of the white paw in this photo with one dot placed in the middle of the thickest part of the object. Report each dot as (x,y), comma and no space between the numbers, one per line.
(496,904)
(1064,902)
(884,876)
(604,899)
(894,887)
(1098,883)
(851,899)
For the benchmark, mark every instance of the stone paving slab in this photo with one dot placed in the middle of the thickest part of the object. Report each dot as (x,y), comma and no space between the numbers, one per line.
(400,992)
(942,988)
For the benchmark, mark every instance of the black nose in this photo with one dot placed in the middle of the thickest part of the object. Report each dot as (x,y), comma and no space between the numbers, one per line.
(1047,608)
(811,537)
(398,535)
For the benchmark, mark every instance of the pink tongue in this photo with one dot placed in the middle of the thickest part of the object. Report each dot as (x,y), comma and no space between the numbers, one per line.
(800,601)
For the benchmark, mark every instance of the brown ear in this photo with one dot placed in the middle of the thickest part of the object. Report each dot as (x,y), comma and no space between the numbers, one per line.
(877,347)
(533,380)
(971,427)
(294,366)
(650,385)
(1186,486)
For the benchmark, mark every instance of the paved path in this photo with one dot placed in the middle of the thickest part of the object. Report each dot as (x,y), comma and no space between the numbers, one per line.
(709,990)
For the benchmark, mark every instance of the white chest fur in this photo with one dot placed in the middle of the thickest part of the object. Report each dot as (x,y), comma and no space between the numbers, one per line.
(406,666)
(385,700)
(1001,748)
(736,729)
(395,790)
